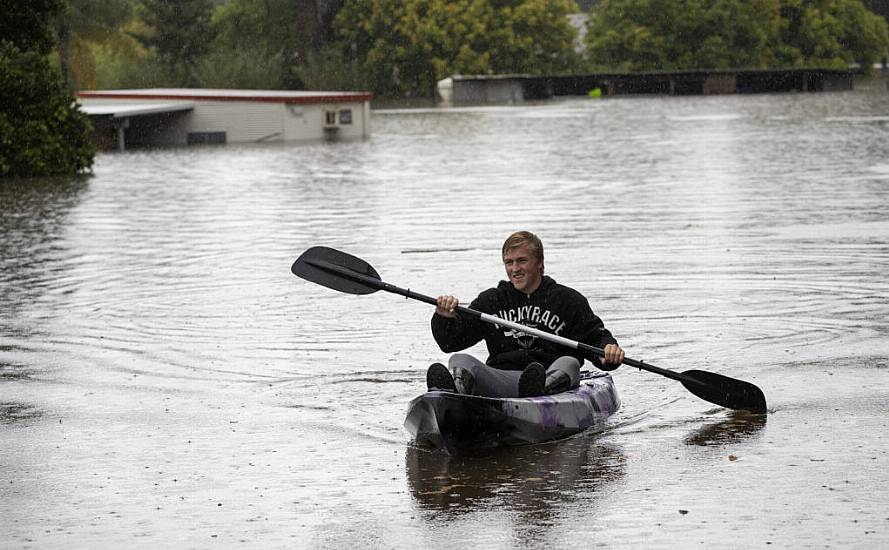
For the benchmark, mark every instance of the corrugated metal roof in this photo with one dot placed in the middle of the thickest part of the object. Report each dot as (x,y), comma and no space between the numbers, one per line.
(206,94)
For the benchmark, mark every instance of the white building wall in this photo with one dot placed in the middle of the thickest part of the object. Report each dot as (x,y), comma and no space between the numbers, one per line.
(300,123)
(241,121)
(249,122)
(258,121)
(310,121)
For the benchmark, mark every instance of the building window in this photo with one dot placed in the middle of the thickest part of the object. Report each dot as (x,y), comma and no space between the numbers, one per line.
(346,116)
(206,138)
(330,118)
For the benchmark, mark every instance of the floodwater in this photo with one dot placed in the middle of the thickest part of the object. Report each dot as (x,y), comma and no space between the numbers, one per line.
(165,382)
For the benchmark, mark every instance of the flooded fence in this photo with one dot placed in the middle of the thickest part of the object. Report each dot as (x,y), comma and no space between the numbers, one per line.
(514,88)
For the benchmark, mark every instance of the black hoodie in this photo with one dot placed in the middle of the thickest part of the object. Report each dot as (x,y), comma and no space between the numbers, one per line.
(552,308)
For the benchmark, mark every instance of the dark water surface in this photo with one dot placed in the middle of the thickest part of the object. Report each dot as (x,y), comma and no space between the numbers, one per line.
(165,382)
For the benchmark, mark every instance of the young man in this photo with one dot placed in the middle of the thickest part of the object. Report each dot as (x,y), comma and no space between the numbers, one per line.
(519,364)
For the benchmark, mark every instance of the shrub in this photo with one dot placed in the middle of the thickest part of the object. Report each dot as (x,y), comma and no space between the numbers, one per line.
(42,132)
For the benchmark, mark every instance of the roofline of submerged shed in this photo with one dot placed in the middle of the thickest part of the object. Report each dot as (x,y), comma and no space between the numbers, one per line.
(346,97)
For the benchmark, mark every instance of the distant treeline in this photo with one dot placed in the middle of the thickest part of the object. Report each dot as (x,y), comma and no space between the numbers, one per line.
(633,35)
(396,48)
(403,47)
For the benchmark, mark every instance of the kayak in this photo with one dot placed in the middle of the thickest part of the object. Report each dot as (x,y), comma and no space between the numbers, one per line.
(456,422)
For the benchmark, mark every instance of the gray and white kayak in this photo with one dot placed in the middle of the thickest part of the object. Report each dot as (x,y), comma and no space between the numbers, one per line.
(456,422)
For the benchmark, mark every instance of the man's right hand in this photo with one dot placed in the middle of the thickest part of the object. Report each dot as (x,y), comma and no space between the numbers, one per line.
(446,306)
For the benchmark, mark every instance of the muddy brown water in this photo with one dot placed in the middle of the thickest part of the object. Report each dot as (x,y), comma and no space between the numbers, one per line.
(165,382)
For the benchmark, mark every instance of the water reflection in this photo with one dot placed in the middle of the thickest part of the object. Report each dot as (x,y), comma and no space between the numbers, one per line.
(13,371)
(17,412)
(534,483)
(739,426)
(33,216)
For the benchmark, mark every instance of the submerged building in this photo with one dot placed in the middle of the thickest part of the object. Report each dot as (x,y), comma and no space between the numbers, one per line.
(184,116)
(516,88)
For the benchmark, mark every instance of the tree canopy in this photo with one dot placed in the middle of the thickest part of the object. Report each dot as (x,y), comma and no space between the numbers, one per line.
(179,32)
(261,41)
(83,23)
(405,46)
(633,35)
(42,132)
(25,25)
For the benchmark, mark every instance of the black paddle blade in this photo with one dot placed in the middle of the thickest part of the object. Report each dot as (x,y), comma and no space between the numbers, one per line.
(725,391)
(337,270)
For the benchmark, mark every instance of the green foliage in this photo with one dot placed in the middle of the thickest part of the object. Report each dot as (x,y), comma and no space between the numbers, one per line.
(130,67)
(879,7)
(836,34)
(42,133)
(634,35)
(329,69)
(248,68)
(81,26)
(179,34)
(24,23)
(264,24)
(97,20)
(256,45)
(276,43)
(403,47)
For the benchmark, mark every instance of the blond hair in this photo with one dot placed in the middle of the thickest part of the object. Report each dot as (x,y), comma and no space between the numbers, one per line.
(524,238)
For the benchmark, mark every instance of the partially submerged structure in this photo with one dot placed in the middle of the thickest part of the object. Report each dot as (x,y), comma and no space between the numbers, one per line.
(177,116)
(515,88)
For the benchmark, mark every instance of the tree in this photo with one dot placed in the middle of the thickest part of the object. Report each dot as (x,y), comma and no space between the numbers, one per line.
(84,24)
(404,47)
(879,7)
(42,132)
(835,34)
(634,35)
(255,45)
(179,33)
(25,24)
(269,43)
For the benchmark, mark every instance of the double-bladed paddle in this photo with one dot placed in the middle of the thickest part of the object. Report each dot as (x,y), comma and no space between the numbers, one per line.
(346,273)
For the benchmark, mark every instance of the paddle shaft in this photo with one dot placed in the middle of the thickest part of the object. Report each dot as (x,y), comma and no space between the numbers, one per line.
(493,319)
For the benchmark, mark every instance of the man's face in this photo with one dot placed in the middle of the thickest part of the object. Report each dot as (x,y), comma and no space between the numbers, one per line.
(523,270)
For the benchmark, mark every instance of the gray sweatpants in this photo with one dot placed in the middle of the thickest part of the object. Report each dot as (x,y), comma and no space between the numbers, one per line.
(492,382)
